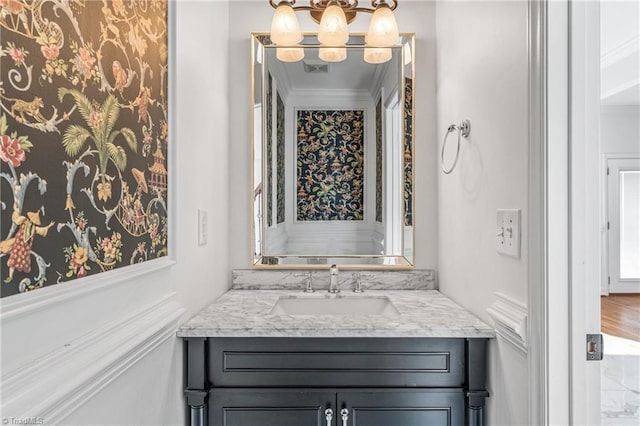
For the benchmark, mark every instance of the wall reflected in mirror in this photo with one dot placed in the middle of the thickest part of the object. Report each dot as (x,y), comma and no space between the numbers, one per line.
(332,156)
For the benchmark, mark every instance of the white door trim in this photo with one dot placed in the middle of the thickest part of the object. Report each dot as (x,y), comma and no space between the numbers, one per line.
(557,212)
(550,354)
(615,284)
(604,207)
(537,199)
(585,209)
(557,321)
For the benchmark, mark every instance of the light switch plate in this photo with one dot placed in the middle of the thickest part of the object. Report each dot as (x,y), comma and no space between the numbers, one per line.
(202,227)
(508,232)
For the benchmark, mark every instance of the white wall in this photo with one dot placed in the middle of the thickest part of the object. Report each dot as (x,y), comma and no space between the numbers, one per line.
(620,22)
(620,129)
(482,76)
(255,16)
(134,376)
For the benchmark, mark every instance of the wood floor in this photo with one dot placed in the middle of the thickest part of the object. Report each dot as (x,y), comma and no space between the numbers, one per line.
(621,315)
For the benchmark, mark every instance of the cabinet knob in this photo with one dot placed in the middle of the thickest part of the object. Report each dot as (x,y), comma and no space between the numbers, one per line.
(328,415)
(345,416)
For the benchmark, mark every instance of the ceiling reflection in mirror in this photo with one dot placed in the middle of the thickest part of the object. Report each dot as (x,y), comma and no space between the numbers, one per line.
(332,155)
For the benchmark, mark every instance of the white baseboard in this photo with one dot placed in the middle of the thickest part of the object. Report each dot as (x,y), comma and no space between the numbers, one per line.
(622,287)
(55,385)
(510,317)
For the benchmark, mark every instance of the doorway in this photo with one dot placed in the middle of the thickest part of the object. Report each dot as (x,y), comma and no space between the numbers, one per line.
(620,302)
(619,149)
(623,224)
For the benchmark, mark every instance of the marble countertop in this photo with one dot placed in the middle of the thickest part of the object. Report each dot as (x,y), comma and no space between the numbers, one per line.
(423,313)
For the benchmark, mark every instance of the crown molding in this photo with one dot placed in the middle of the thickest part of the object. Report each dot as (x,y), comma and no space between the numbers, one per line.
(621,51)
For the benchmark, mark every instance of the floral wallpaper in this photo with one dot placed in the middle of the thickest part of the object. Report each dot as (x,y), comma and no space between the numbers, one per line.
(269,149)
(330,165)
(408,152)
(280,160)
(83,138)
(379,161)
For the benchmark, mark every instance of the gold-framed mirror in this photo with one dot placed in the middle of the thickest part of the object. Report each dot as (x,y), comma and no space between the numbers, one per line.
(332,155)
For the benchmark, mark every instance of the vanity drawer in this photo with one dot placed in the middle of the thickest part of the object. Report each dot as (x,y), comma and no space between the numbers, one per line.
(347,362)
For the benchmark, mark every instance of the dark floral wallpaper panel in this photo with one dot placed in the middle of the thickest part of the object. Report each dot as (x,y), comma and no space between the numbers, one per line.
(269,149)
(330,165)
(408,152)
(83,138)
(379,151)
(280,160)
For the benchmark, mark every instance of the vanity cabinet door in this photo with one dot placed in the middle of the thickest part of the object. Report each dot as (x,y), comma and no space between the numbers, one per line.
(395,407)
(270,407)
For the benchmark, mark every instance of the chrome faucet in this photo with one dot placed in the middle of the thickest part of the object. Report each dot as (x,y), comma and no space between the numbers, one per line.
(357,279)
(357,288)
(309,286)
(333,283)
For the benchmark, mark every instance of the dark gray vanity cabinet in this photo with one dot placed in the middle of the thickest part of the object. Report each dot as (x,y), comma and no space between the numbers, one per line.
(406,407)
(309,407)
(336,381)
(260,407)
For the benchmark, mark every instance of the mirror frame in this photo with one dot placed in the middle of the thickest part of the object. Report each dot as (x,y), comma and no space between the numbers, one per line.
(395,262)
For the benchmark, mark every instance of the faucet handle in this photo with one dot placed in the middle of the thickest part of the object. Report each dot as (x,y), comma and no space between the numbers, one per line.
(358,280)
(309,287)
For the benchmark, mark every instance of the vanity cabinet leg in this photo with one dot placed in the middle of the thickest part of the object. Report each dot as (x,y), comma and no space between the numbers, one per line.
(476,378)
(197,404)
(196,392)
(197,416)
(475,417)
(475,410)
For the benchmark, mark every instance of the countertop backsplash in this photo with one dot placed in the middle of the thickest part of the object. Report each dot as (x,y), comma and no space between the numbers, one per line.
(255,279)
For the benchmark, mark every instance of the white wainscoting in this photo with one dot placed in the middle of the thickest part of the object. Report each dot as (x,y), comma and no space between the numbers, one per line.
(328,240)
(276,239)
(53,386)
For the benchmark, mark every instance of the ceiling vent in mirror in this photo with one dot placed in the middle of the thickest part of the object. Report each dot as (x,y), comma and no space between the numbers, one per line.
(315,67)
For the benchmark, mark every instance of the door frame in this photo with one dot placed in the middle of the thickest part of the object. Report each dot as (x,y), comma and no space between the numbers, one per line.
(561,381)
(537,199)
(548,296)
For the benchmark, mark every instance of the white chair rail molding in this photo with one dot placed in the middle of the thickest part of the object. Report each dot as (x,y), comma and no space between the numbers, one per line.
(510,319)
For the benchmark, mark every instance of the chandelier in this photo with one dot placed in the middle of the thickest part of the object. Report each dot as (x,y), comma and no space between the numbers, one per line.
(334,16)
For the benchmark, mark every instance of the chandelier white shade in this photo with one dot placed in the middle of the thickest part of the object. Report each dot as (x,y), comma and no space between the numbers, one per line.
(383,29)
(377,55)
(285,29)
(332,54)
(290,54)
(333,29)
(334,16)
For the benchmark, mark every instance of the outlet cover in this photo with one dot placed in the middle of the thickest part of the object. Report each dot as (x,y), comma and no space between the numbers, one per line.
(508,232)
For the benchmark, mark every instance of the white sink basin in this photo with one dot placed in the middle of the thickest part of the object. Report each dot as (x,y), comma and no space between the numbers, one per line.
(334,305)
